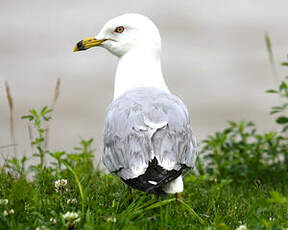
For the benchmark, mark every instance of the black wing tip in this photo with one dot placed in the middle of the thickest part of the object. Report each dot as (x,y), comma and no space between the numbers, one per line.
(154,173)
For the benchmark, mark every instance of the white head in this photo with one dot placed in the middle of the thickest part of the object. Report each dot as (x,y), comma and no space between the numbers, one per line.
(136,40)
(125,33)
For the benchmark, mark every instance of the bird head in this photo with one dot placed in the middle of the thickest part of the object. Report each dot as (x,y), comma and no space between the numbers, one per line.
(123,34)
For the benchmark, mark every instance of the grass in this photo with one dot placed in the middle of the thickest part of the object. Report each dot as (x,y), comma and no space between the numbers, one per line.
(106,203)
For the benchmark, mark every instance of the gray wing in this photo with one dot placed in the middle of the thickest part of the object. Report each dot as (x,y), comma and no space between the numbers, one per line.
(143,124)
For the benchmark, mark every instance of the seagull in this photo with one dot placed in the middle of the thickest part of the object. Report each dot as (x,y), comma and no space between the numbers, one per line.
(147,139)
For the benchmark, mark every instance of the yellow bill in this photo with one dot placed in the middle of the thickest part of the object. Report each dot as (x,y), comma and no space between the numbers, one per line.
(87,43)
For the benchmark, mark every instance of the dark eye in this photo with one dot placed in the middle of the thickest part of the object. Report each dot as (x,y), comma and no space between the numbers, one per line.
(119,29)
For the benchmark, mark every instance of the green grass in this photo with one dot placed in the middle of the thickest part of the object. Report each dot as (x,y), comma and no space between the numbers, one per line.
(108,204)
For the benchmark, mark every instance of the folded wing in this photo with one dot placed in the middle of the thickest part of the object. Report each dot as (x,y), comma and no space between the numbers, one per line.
(145,126)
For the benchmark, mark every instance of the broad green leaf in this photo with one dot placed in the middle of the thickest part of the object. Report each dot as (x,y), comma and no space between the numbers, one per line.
(282,120)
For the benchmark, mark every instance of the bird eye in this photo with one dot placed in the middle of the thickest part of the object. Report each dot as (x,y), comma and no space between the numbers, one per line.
(119,29)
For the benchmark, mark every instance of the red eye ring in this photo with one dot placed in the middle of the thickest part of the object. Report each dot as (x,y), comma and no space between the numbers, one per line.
(119,29)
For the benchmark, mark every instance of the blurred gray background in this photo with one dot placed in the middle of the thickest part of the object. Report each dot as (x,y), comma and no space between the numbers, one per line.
(214,58)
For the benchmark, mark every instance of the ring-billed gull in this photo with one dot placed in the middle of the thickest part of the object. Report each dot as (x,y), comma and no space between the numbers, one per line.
(148,140)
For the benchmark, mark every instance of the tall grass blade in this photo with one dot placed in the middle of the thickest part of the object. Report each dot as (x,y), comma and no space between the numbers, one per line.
(11,110)
(272,60)
(191,211)
(54,101)
(160,204)
(79,186)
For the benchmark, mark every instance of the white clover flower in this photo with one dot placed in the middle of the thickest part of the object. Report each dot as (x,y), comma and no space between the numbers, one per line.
(72,219)
(72,201)
(5,213)
(242,227)
(52,220)
(71,216)
(60,185)
(4,201)
(111,219)
(11,211)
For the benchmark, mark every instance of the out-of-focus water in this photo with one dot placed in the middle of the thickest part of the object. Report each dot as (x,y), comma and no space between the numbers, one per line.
(214,58)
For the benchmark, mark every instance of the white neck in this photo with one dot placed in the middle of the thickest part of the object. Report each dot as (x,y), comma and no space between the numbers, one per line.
(138,68)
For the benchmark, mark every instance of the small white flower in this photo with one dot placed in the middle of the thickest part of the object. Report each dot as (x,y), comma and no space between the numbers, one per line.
(4,201)
(242,227)
(111,219)
(71,216)
(11,211)
(60,185)
(5,213)
(52,220)
(72,201)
